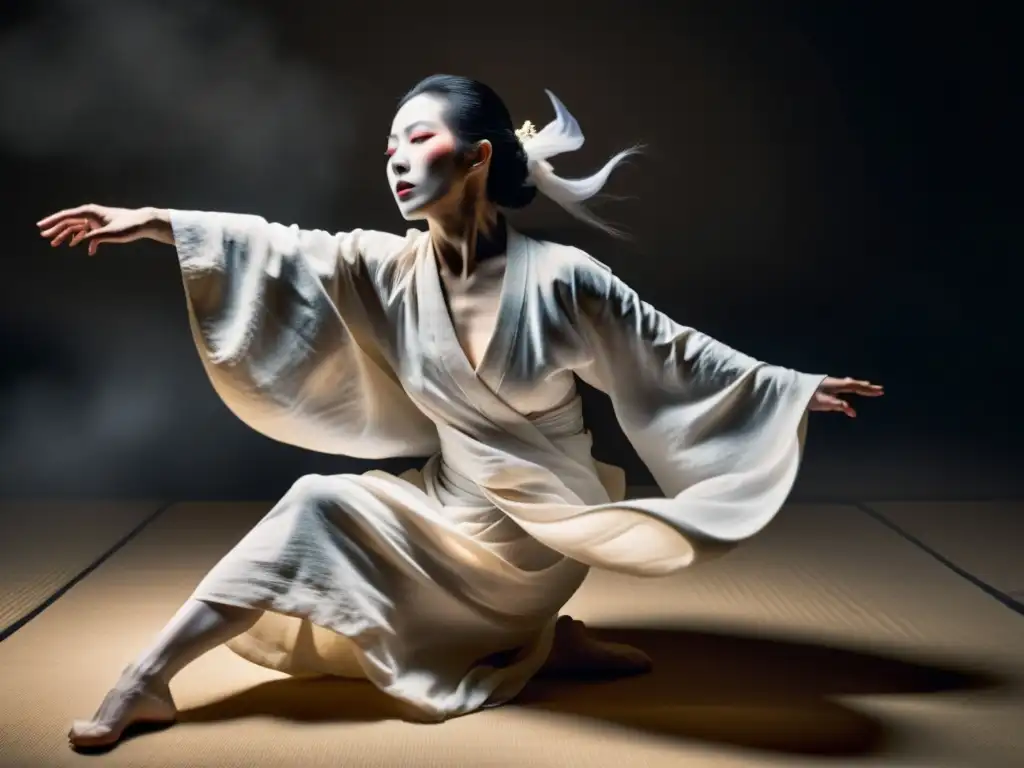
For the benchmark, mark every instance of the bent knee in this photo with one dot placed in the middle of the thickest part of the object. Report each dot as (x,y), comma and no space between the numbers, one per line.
(313,491)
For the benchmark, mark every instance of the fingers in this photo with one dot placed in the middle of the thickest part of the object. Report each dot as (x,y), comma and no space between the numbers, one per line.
(80,234)
(854,386)
(82,229)
(62,237)
(101,235)
(65,230)
(61,226)
(74,228)
(830,403)
(90,209)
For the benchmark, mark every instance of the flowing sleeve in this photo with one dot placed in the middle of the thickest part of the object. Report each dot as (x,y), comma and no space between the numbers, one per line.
(294,331)
(721,432)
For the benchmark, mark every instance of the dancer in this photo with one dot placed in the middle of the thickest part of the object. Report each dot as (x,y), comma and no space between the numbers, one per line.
(463,342)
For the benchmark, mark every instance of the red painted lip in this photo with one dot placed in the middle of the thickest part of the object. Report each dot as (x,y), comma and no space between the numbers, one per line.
(404,188)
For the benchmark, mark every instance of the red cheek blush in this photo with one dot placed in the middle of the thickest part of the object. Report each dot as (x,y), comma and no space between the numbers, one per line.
(439,149)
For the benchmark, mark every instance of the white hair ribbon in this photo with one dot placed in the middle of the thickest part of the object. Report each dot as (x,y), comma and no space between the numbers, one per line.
(562,135)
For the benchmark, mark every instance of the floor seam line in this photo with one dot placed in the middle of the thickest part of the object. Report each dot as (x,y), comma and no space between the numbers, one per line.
(1008,601)
(10,629)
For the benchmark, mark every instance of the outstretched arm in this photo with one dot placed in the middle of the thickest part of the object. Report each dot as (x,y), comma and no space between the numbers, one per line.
(697,410)
(682,358)
(97,224)
(292,325)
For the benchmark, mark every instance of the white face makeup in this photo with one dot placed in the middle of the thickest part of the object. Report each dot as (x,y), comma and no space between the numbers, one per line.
(422,166)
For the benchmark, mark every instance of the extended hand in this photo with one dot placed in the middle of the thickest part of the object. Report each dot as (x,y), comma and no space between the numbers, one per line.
(826,398)
(97,224)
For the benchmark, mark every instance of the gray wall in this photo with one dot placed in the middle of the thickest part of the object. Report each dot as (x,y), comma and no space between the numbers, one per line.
(826,188)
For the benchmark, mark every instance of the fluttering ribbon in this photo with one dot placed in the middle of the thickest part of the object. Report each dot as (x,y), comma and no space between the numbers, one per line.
(563,135)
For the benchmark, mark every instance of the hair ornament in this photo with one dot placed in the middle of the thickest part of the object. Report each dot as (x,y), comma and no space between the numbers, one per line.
(527,132)
(558,137)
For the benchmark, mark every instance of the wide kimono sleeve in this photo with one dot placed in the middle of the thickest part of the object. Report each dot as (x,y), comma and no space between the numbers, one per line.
(296,330)
(721,432)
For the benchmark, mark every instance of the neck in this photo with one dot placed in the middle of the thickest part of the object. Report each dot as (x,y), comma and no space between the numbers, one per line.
(467,236)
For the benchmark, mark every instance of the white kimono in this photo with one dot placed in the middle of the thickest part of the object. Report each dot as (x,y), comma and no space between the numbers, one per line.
(442,586)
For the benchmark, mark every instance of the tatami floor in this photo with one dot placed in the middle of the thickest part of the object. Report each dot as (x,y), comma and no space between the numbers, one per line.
(845,635)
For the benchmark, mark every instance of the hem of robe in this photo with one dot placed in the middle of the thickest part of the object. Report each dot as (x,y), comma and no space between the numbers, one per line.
(807,384)
(662,540)
(302,634)
(508,680)
(713,547)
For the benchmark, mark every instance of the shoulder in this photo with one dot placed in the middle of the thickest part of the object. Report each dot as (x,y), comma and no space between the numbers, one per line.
(570,271)
(384,255)
(375,247)
(566,264)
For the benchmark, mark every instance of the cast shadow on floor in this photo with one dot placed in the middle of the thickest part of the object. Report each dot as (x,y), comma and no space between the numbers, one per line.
(757,692)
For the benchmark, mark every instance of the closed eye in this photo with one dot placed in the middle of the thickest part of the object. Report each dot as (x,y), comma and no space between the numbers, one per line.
(419,138)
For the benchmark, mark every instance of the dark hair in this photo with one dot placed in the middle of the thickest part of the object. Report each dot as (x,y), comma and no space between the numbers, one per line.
(474,113)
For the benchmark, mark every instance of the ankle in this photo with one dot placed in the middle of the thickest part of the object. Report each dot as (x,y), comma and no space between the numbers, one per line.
(147,672)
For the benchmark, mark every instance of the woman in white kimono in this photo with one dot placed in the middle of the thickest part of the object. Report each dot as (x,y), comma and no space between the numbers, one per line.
(462,343)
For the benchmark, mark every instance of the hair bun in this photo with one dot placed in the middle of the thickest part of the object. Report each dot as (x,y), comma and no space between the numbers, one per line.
(507,184)
(476,113)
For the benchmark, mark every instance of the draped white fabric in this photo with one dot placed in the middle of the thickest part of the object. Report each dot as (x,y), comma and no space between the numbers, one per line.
(442,586)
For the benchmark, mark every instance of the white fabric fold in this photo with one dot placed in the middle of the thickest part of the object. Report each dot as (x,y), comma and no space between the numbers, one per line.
(561,135)
(442,586)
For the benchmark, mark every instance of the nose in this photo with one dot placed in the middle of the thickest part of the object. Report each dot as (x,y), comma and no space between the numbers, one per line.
(399,166)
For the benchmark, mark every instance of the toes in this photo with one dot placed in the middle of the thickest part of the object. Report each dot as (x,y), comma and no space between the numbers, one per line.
(85,733)
(85,728)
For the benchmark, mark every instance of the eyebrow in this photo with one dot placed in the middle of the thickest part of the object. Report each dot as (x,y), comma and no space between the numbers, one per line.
(408,128)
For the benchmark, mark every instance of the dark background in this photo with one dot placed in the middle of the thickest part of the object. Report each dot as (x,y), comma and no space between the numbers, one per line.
(828,186)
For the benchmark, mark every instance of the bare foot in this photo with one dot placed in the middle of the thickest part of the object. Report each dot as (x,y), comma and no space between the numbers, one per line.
(577,653)
(132,700)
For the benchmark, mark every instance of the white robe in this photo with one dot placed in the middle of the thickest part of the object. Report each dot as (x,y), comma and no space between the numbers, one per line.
(442,586)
